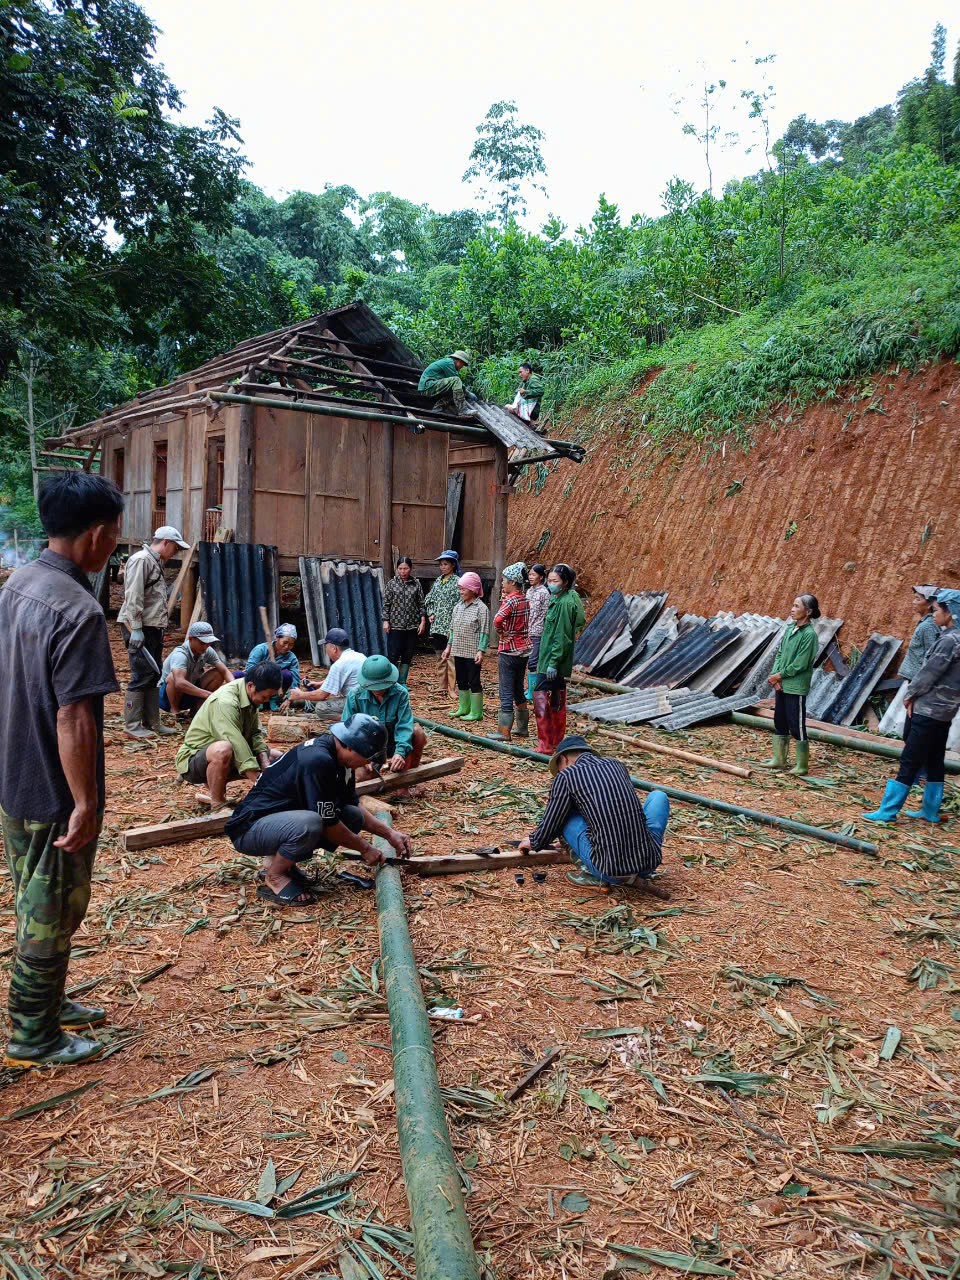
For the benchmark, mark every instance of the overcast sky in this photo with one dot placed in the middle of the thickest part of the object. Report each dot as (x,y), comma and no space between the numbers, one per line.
(384,95)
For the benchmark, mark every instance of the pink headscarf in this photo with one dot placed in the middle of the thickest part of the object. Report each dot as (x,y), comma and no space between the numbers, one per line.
(471,582)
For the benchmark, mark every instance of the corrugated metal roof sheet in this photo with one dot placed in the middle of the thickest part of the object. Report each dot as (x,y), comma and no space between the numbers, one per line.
(347,594)
(856,688)
(627,708)
(603,630)
(755,633)
(823,689)
(643,610)
(706,706)
(691,651)
(509,429)
(237,578)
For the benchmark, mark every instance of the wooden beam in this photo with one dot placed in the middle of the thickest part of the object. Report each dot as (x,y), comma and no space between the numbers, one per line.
(186,829)
(500,511)
(641,744)
(181,576)
(532,1074)
(245,476)
(386,504)
(462,864)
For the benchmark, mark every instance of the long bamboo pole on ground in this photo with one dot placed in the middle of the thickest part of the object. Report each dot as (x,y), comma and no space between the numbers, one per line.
(688,797)
(442,1242)
(641,744)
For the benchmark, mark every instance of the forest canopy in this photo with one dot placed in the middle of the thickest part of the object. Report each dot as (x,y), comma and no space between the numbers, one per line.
(132,248)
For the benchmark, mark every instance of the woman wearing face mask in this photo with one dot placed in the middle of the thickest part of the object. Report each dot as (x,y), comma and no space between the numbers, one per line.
(404,617)
(790,681)
(538,598)
(563,623)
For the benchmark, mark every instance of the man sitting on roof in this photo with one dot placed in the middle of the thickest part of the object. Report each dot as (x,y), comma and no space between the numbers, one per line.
(193,670)
(526,403)
(441,381)
(345,664)
(595,807)
(379,694)
(224,741)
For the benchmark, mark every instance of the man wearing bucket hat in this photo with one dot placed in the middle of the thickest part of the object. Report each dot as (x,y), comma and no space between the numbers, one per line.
(193,670)
(441,383)
(380,694)
(308,801)
(595,807)
(143,620)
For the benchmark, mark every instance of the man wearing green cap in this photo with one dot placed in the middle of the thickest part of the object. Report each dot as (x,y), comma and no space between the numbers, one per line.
(441,381)
(378,693)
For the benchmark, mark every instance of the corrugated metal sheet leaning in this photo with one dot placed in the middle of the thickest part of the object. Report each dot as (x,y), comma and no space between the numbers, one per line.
(237,579)
(689,653)
(343,593)
(853,691)
(704,706)
(724,673)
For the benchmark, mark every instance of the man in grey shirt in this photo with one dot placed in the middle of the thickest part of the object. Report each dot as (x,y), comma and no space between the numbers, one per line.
(193,670)
(53,636)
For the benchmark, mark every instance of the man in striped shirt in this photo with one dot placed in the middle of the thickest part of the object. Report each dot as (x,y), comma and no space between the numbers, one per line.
(594,806)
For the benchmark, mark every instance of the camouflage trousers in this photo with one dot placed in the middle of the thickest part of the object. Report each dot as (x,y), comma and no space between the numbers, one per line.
(447,393)
(51,891)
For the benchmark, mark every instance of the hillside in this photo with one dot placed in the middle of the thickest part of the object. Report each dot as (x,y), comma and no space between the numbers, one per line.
(868,479)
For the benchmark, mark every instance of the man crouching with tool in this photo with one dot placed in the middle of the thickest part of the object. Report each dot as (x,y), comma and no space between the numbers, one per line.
(307,800)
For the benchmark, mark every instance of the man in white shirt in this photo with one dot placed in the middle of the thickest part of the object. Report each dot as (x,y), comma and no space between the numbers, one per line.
(345,664)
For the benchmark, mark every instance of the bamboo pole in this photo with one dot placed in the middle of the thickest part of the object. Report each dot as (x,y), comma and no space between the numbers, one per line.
(442,1242)
(640,744)
(838,739)
(688,797)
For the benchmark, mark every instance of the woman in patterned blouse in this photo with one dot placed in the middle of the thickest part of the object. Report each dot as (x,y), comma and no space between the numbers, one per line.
(538,598)
(404,617)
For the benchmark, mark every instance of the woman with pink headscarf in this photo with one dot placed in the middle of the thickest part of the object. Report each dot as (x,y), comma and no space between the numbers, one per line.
(469,630)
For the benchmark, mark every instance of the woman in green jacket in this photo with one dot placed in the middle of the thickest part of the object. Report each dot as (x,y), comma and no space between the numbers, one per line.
(790,680)
(563,623)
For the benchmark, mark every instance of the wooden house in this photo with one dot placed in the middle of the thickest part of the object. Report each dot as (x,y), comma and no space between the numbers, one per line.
(314,439)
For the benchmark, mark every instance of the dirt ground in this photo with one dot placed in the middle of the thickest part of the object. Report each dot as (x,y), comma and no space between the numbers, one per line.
(730,1098)
(852,499)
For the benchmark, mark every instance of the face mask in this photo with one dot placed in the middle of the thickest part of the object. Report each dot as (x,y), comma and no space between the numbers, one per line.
(554,588)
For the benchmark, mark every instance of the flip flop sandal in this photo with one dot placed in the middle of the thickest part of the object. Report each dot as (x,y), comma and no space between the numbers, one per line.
(287,897)
(297,876)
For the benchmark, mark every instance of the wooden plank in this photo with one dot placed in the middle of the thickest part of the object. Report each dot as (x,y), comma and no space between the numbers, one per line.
(500,501)
(462,864)
(641,744)
(212,825)
(181,576)
(246,461)
(455,481)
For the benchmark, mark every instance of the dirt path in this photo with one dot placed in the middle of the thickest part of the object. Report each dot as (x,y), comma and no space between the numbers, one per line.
(748,1016)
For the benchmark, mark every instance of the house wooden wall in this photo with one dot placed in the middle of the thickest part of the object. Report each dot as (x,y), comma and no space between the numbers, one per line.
(318,483)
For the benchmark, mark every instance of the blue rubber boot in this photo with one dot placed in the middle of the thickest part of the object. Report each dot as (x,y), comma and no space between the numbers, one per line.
(932,800)
(894,797)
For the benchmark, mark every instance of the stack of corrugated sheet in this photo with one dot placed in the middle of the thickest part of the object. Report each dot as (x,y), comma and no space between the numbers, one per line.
(343,593)
(679,662)
(724,674)
(237,579)
(699,706)
(851,693)
(614,639)
(629,708)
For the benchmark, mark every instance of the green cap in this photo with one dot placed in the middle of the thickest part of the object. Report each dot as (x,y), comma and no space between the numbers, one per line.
(378,673)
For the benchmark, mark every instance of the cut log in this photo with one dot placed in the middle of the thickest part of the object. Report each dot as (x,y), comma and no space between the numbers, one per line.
(461,864)
(212,824)
(641,744)
(284,729)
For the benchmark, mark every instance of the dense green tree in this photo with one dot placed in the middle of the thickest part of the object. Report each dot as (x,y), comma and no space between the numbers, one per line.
(507,161)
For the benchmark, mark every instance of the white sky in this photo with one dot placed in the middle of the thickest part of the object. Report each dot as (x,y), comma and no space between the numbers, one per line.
(386,95)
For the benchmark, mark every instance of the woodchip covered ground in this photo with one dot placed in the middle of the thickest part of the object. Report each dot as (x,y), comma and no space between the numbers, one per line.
(726,1100)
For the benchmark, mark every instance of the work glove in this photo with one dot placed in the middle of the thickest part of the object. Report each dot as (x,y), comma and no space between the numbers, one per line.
(551,673)
(136,638)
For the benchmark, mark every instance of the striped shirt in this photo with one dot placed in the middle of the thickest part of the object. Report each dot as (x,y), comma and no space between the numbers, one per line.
(600,791)
(511,623)
(539,599)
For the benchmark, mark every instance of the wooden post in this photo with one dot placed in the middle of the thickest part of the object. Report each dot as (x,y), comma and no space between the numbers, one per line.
(500,509)
(243,531)
(188,596)
(386,516)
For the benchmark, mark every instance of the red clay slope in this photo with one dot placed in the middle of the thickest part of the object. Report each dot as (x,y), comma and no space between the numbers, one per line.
(871,482)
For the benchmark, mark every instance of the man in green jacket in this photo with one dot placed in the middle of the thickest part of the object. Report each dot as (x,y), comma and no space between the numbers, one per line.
(526,403)
(441,381)
(225,740)
(379,694)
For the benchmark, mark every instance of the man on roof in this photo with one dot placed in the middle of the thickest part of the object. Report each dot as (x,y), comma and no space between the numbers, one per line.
(526,403)
(143,619)
(379,694)
(442,383)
